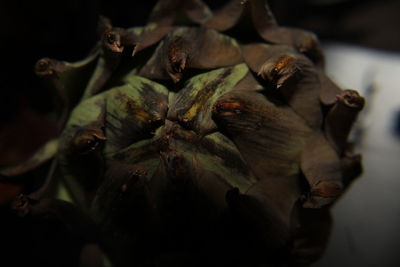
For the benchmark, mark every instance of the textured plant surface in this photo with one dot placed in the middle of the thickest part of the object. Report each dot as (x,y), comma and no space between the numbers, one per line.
(194,145)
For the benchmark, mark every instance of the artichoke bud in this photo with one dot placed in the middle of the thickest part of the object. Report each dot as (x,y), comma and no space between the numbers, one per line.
(184,156)
(351,99)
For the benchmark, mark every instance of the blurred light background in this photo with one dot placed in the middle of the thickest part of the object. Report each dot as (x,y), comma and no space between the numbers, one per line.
(367,218)
(362,45)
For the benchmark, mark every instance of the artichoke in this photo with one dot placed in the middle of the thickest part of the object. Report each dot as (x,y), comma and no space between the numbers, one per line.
(187,142)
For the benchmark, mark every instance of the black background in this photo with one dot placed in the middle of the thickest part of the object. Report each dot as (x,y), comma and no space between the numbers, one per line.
(66,30)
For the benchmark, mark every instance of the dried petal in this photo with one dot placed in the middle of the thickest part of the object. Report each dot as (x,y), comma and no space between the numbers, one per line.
(267,207)
(112,46)
(262,132)
(51,212)
(52,234)
(114,38)
(123,187)
(123,209)
(266,24)
(67,80)
(292,74)
(280,194)
(81,145)
(85,167)
(191,48)
(266,210)
(65,217)
(256,54)
(320,165)
(21,205)
(341,117)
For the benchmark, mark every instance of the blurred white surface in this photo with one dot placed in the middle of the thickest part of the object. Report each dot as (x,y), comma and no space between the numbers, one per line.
(366,229)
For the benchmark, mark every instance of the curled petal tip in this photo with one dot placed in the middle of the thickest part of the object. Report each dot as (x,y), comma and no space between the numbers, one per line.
(21,205)
(43,67)
(341,118)
(279,71)
(352,99)
(112,41)
(86,141)
(176,67)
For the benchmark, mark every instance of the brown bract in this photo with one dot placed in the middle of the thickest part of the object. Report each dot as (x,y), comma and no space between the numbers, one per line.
(341,117)
(196,48)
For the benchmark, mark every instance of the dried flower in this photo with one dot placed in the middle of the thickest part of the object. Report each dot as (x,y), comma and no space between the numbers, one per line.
(198,147)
